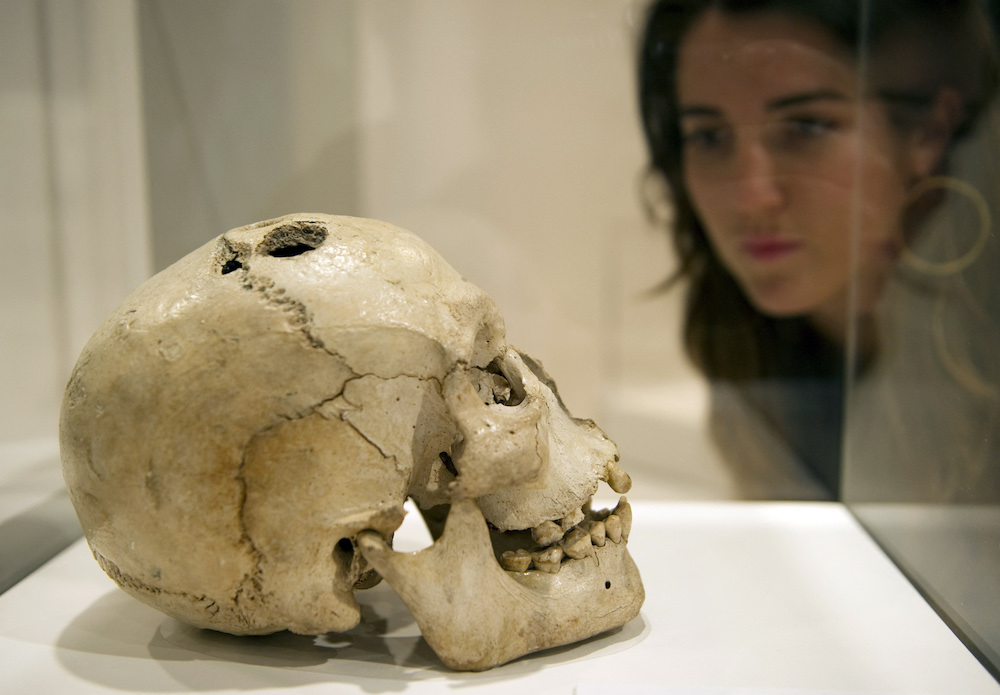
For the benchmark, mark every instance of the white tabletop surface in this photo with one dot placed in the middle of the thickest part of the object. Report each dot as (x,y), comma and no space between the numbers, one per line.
(741,598)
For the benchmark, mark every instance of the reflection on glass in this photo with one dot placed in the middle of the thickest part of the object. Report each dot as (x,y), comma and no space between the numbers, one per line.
(779,132)
(921,451)
(831,168)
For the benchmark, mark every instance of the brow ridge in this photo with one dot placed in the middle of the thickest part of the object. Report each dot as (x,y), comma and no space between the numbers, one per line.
(784,102)
(805,98)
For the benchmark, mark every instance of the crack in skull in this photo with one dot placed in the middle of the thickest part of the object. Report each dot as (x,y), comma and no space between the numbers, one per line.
(218,480)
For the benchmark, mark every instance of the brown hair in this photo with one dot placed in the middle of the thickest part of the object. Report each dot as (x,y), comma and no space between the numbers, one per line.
(725,336)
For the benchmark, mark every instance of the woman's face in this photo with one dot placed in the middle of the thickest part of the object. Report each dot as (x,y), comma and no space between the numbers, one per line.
(784,158)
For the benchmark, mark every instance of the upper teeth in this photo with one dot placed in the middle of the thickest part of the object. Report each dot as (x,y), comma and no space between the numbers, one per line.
(576,541)
(571,520)
(617,478)
(547,533)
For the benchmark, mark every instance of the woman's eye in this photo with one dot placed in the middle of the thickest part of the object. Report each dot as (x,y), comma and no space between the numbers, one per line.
(707,138)
(794,134)
(811,127)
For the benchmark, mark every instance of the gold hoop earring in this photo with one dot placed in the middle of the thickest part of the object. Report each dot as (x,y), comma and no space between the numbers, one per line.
(956,265)
(656,197)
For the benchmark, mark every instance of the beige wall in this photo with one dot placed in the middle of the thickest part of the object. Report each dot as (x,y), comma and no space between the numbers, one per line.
(71,190)
(504,133)
(249,112)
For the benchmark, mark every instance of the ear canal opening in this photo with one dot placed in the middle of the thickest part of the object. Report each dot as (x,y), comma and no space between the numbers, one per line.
(343,552)
(344,558)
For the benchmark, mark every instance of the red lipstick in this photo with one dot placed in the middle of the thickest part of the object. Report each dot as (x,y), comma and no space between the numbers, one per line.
(769,248)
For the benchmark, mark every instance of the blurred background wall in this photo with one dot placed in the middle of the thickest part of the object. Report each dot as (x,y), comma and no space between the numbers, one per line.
(73,194)
(505,134)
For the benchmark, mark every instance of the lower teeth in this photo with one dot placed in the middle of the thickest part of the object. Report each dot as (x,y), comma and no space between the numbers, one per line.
(576,542)
(516,560)
(598,533)
(613,528)
(548,560)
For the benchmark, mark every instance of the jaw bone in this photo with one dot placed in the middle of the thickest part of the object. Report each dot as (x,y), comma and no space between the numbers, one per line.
(476,615)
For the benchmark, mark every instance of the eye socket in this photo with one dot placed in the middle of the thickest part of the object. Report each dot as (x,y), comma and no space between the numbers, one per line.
(493,386)
(493,389)
(290,240)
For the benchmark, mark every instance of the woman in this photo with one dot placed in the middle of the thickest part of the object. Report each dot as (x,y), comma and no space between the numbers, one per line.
(790,134)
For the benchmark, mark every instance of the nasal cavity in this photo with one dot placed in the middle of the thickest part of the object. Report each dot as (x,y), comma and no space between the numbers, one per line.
(290,240)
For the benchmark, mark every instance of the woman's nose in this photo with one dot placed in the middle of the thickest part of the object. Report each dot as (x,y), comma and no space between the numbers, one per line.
(758,187)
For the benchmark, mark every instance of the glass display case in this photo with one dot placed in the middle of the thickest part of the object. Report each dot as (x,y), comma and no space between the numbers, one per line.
(515,138)
(921,463)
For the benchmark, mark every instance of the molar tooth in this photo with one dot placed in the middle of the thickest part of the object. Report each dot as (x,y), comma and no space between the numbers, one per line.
(613,528)
(548,560)
(516,560)
(571,520)
(547,533)
(577,544)
(624,512)
(618,479)
(598,534)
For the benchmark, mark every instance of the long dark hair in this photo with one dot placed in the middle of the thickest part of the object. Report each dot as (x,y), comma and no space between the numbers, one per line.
(725,336)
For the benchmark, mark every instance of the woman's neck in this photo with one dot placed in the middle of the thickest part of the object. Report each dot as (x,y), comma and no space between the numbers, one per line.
(856,332)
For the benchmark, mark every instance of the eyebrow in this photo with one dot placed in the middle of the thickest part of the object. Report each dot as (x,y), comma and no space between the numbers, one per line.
(805,98)
(792,100)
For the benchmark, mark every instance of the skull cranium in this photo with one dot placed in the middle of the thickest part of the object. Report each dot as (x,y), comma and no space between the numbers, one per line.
(239,439)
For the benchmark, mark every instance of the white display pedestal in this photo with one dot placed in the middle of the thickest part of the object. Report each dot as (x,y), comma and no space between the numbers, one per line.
(740,598)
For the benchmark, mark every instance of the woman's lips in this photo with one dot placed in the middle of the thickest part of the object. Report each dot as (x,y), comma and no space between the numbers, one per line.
(765,249)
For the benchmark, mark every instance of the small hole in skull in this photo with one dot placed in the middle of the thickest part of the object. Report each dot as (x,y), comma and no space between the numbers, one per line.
(293,250)
(290,240)
(607,585)
(230,266)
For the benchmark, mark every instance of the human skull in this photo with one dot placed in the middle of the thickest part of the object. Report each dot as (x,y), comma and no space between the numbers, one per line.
(240,436)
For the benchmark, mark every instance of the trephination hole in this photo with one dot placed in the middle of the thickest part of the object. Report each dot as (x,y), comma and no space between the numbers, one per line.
(290,240)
